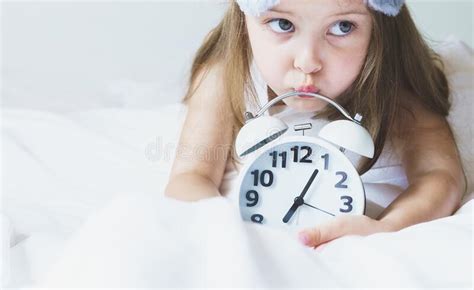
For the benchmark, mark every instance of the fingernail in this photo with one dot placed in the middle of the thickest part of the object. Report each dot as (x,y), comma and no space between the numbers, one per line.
(304,238)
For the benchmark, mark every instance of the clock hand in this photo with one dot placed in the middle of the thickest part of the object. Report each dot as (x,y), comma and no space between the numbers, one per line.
(308,184)
(298,201)
(318,209)
(291,211)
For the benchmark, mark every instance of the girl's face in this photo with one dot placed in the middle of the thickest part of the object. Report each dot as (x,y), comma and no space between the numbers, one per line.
(311,45)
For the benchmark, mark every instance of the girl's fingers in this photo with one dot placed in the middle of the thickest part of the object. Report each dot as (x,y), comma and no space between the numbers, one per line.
(322,233)
(336,228)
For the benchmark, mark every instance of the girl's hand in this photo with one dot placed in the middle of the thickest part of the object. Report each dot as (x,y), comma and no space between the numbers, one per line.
(341,226)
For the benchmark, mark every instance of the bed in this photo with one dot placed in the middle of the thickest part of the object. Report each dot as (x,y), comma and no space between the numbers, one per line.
(82,206)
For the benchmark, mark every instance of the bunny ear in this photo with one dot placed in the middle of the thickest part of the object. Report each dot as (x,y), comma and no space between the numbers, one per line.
(256,7)
(387,7)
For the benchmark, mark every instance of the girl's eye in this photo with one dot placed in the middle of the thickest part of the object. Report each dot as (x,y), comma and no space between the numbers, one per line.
(281,25)
(341,28)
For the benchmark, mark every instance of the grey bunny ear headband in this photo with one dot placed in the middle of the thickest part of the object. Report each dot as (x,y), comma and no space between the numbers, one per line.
(257,7)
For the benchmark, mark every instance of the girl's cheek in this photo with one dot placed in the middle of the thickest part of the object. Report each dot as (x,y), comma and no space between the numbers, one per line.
(276,67)
(350,58)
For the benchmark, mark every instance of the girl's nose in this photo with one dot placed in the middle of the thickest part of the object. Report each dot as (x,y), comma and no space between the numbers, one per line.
(308,60)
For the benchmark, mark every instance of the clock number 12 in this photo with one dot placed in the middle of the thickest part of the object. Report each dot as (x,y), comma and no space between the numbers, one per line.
(305,158)
(295,150)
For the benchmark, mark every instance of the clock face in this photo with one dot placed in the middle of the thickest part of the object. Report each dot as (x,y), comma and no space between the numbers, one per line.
(299,181)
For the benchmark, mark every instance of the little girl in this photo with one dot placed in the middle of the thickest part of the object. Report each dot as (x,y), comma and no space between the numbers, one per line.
(368,56)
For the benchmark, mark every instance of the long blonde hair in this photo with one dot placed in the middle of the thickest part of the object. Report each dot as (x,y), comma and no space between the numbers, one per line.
(398,57)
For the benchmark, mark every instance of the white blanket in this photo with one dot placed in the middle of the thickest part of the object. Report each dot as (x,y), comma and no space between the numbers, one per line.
(114,163)
(140,241)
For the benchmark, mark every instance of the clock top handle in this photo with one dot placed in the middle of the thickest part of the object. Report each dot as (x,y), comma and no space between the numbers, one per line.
(272,102)
(260,130)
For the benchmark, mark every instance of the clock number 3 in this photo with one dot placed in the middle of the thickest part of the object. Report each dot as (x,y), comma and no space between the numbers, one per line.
(347,203)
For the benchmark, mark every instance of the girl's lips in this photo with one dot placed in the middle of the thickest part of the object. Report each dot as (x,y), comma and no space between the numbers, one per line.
(307,89)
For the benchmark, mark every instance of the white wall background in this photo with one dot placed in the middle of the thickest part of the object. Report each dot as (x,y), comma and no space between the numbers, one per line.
(439,19)
(72,55)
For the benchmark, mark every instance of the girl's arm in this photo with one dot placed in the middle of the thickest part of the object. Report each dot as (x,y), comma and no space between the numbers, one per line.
(435,176)
(433,168)
(204,143)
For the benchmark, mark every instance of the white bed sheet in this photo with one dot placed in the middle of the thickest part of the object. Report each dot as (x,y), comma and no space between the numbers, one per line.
(58,169)
(111,165)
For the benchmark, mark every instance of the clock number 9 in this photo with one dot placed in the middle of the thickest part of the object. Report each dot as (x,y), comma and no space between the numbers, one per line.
(347,203)
(266,182)
(252,197)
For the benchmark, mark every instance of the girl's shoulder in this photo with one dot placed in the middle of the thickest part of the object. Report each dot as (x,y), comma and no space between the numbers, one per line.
(414,114)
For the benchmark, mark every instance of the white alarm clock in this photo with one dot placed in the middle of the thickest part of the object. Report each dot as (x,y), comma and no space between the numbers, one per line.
(300,180)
